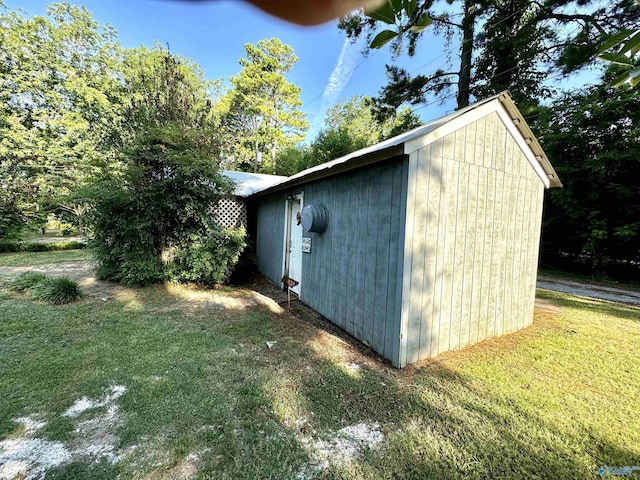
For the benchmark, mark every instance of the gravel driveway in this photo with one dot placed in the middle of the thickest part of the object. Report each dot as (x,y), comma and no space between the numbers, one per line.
(583,289)
(83,273)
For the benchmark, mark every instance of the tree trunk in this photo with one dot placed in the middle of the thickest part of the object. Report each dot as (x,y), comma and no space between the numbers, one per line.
(274,148)
(468,28)
(506,72)
(257,157)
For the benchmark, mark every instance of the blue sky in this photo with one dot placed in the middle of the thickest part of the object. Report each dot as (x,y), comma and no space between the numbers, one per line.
(214,33)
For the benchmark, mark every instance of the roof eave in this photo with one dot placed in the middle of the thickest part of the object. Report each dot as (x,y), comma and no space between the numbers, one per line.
(530,138)
(350,164)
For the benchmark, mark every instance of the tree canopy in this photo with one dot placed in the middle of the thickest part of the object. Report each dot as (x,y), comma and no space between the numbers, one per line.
(152,216)
(59,103)
(591,136)
(493,45)
(349,125)
(622,49)
(263,107)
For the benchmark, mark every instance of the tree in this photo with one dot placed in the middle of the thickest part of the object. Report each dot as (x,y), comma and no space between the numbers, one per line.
(622,49)
(293,159)
(352,125)
(591,137)
(57,86)
(264,108)
(357,118)
(331,144)
(152,217)
(349,125)
(519,45)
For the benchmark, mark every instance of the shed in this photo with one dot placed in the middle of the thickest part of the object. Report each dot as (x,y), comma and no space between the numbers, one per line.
(430,240)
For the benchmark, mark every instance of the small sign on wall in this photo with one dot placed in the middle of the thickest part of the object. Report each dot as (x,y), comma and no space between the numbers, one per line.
(306,245)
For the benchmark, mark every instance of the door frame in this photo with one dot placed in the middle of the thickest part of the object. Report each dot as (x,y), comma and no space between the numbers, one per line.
(288,203)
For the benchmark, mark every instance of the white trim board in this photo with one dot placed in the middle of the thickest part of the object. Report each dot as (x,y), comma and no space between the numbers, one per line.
(285,241)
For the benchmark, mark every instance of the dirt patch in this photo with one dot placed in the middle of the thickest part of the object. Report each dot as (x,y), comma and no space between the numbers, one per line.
(339,447)
(28,457)
(81,272)
(187,468)
(546,306)
(86,403)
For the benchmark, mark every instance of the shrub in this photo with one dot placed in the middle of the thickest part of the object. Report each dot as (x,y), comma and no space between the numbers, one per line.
(36,247)
(123,242)
(11,219)
(8,246)
(40,247)
(27,280)
(57,291)
(67,230)
(67,245)
(153,222)
(208,260)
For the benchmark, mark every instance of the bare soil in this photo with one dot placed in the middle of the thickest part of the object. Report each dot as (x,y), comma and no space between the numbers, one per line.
(81,272)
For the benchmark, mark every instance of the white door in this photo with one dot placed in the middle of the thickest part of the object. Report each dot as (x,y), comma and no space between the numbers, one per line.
(295,243)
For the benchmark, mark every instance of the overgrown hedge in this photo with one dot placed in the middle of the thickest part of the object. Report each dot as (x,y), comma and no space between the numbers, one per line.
(40,247)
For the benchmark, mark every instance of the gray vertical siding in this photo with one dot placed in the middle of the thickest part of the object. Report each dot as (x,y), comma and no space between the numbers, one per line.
(270,236)
(422,254)
(471,250)
(353,275)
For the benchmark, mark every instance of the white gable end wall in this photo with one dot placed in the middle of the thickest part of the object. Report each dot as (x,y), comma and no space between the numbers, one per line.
(472,230)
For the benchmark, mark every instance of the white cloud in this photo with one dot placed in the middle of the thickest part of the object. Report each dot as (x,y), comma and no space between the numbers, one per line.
(342,72)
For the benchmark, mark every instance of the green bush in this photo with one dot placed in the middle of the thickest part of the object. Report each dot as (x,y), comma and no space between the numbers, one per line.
(40,247)
(153,222)
(9,246)
(67,245)
(27,280)
(36,247)
(11,219)
(67,230)
(123,242)
(208,260)
(57,291)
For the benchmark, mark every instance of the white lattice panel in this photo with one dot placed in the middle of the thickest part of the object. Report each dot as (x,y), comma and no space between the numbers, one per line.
(231,212)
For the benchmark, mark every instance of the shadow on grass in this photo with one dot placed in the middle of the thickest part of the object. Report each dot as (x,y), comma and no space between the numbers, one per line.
(437,422)
(618,310)
(206,395)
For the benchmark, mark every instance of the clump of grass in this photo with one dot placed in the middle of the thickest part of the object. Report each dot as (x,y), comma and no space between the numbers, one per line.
(56,291)
(27,281)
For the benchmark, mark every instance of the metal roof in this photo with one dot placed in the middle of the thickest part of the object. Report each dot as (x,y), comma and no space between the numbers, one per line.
(250,183)
(394,146)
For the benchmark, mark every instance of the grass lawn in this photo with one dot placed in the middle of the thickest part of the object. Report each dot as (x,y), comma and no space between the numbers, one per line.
(26,259)
(179,388)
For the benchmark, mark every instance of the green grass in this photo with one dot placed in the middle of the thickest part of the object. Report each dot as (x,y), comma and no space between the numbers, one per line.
(556,400)
(40,258)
